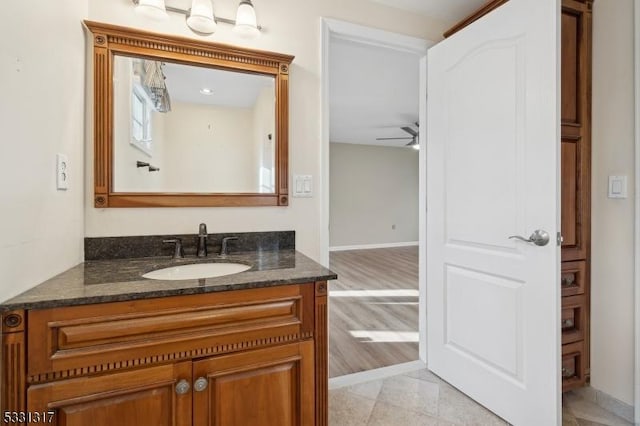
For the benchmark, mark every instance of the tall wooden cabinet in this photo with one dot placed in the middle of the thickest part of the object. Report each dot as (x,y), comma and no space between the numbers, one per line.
(576,189)
(575,182)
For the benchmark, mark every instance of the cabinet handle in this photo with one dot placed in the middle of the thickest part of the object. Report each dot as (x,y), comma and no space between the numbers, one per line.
(567,323)
(182,387)
(200,384)
(566,282)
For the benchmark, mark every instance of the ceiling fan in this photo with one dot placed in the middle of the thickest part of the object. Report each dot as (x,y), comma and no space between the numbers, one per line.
(414,136)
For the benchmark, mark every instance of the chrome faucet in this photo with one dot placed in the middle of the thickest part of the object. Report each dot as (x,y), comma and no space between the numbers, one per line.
(202,241)
(178,252)
(224,249)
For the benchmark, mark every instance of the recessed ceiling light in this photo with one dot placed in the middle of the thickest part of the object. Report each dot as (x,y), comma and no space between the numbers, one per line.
(206,91)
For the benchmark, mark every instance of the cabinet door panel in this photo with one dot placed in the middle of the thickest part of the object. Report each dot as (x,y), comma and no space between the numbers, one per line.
(144,397)
(267,387)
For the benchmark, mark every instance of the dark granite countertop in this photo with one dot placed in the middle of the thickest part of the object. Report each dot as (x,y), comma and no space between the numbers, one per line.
(117,280)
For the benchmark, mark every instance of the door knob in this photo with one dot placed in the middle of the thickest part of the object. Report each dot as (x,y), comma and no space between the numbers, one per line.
(539,238)
(182,387)
(200,384)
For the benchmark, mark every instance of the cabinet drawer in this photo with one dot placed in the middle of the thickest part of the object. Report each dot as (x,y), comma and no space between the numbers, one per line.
(79,340)
(573,319)
(573,278)
(572,366)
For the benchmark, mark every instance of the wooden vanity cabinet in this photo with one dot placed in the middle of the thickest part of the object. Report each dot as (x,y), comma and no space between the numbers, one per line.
(575,181)
(233,358)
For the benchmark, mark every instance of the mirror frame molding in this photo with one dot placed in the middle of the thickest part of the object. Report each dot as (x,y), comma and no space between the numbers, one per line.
(109,40)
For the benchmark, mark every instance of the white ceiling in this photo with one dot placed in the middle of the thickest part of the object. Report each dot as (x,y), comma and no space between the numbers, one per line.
(450,11)
(233,89)
(373,92)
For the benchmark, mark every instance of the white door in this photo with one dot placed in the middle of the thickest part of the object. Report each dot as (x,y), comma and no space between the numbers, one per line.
(493,303)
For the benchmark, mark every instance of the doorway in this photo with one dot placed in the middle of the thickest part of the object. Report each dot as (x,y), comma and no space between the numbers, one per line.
(398,342)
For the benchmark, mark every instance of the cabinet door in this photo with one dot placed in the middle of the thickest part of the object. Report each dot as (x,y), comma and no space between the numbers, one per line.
(145,397)
(266,387)
(576,129)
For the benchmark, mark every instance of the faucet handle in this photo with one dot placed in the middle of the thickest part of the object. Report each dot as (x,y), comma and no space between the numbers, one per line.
(223,249)
(179,251)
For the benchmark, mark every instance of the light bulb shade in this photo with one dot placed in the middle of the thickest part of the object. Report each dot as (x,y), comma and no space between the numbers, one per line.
(200,18)
(246,22)
(154,9)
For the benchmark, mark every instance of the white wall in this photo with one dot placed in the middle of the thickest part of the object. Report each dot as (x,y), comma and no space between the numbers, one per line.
(41,114)
(612,220)
(372,188)
(292,27)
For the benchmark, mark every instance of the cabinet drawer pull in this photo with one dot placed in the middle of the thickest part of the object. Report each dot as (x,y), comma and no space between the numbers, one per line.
(200,384)
(182,387)
(567,323)
(568,282)
(568,373)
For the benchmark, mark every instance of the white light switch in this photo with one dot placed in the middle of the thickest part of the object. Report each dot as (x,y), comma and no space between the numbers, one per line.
(617,187)
(303,186)
(62,171)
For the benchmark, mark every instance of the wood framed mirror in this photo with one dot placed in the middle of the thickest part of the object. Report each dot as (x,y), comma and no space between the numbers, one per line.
(186,123)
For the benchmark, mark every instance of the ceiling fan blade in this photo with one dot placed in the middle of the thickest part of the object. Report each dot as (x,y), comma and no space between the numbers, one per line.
(410,131)
(391,139)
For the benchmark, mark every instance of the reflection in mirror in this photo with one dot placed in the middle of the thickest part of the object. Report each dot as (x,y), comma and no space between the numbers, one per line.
(183,128)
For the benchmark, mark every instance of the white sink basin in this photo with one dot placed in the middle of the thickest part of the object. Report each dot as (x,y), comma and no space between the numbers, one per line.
(196,271)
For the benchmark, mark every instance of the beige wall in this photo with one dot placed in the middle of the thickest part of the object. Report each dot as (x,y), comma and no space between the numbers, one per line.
(41,114)
(612,220)
(209,149)
(372,188)
(264,152)
(293,27)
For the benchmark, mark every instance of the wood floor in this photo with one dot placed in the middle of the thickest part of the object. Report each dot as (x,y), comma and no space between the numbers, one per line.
(373,309)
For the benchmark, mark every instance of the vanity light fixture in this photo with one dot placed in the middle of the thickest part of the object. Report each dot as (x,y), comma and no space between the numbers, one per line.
(246,22)
(206,91)
(200,18)
(154,9)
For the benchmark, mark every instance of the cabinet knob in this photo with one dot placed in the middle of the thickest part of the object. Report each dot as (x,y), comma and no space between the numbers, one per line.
(200,384)
(182,387)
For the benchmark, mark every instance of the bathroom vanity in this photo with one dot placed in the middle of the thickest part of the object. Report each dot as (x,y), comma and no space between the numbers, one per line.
(100,345)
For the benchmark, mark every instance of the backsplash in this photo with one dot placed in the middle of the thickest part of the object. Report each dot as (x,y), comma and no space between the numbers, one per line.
(103,248)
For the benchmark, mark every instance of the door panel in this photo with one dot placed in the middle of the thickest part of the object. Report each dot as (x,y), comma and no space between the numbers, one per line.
(471,294)
(570,219)
(137,398)
(493,142)
(268,387)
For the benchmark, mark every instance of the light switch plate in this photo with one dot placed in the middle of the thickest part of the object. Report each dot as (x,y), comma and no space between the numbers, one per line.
(62,171)
(302,186)
(617,187)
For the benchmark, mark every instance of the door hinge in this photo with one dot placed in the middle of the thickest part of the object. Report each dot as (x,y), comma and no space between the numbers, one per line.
(559,239)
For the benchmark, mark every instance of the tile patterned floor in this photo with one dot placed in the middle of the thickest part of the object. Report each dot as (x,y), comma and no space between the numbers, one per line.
(421,398)
(577,411)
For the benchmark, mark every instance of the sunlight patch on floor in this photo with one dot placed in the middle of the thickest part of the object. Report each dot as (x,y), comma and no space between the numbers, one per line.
(384,336)
(374,293)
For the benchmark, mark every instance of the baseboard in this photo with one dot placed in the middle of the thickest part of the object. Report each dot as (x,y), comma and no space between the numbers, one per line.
(375,374)
(374,246)
(607,402)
